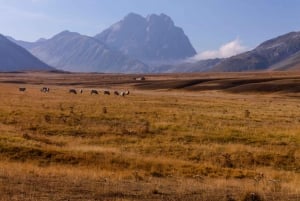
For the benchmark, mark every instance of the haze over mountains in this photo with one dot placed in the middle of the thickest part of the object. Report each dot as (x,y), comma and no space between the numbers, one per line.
(71,51)
(139,44)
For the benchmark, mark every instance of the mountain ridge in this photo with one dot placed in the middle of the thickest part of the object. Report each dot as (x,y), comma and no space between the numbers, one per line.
(154,44)
(72,51)
(264,56)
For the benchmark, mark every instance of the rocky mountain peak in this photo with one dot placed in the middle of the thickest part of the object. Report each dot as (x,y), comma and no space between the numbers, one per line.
(161,19)
(153,39)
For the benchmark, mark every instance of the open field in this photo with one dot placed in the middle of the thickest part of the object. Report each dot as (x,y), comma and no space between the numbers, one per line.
(228,137)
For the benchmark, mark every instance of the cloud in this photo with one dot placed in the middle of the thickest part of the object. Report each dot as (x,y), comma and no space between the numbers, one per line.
(227,50)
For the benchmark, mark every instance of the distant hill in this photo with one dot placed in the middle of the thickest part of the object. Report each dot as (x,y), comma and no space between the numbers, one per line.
(266,56)
(74,52)
(25,44)
(15,58)
(154,40)
(187,67)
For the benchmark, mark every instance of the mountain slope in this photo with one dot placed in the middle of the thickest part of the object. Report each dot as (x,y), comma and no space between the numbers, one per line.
(199,66)
(15,58)
(264,56)
(153,40)
(292,63)
(74,52)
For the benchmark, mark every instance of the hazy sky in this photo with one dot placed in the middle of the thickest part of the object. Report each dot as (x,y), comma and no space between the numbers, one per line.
(210,24)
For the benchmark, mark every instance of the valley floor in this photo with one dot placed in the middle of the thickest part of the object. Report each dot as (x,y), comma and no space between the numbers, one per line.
(174,137)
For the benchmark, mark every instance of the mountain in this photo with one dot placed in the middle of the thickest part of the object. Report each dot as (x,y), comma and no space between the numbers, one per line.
(15,58)
(265,56)
(153,40)
(74,52)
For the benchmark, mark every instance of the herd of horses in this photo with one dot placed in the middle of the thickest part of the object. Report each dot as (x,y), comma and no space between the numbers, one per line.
(75,91)
(105,92)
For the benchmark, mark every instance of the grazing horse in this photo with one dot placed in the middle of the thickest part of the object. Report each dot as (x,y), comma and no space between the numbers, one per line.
(22,89)
(81,91)
(45,90)
(139,78)
(93,91)
(72,91)
(106,92)
(121,93)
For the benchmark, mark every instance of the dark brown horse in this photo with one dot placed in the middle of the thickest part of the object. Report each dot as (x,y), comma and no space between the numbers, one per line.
(22,89)
(93,91)
(106,92)
(72,91)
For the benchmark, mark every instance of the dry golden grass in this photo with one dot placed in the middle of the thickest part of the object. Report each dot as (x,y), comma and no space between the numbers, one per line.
(151,145)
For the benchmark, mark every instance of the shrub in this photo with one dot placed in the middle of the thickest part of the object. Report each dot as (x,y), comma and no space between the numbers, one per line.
(252,196)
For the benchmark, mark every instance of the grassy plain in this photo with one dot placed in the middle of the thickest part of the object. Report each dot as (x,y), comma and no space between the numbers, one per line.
(231,137)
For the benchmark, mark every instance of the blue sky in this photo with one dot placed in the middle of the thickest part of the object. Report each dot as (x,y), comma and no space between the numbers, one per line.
(210,24)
